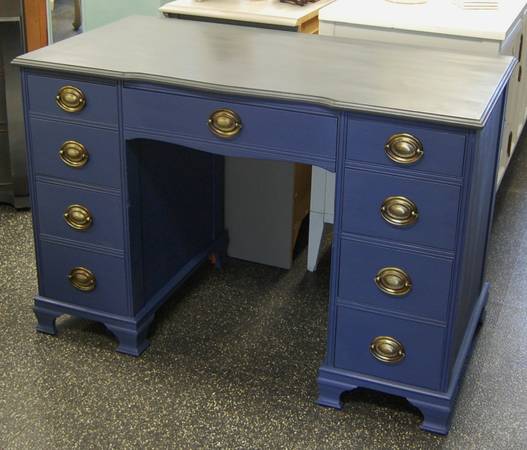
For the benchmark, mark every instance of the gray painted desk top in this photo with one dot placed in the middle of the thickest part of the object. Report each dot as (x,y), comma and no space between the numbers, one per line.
(354,75)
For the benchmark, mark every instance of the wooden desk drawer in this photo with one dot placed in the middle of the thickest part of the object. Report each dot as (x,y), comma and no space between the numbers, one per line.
(428,277)
(261,127)
(442,151)
(99,103)
(56,265)
(93,217)
(76,153)
(422,347)
(437,207)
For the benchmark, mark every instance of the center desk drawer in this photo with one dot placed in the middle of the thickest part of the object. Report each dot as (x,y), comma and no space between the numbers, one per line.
(244,125)
(415,211)
(80,214)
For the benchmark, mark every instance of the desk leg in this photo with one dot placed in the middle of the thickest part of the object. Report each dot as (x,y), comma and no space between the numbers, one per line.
(46,319)
(133,339)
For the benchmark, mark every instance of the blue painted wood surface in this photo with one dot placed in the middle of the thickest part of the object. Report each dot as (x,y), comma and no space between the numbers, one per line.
(101,103)
(437,204)
(174,203)
(423,345)
(444,149)
(106,228)
(103,166)
(57,258)
(265,129)
(155,185)
(429,297)
(480,198)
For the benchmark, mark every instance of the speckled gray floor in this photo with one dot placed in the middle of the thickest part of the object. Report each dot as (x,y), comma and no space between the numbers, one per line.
(234,358)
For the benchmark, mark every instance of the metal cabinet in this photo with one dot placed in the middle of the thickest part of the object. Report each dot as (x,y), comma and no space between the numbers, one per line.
(13,180)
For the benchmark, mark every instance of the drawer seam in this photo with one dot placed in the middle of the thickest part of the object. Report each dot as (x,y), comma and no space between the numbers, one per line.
(81,186)
(94,80)
(414,176)
(413,248)
(52,239)
(217,97)
(397,171)
(268,150)
(341,302)
(86,123)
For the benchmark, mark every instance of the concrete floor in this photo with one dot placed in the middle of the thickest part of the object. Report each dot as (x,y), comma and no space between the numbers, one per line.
(234,359)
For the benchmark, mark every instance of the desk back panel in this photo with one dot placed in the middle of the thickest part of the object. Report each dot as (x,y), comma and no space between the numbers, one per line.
(176,197)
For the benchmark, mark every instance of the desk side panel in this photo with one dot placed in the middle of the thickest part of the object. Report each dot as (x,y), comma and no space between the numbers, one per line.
(478,221)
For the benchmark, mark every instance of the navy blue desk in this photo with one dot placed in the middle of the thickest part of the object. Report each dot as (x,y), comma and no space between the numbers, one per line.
(126,170)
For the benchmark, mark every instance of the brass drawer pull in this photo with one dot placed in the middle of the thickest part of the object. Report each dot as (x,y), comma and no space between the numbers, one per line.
(387,349)
(399,211)
(404,148)
(393,281)
(71,99)
(225,123)
(74,154)
(82,279)
(78,217)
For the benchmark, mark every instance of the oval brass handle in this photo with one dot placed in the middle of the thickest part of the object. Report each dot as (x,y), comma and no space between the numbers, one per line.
(71,99)
(393,281)
(82,279)
(399,211)
(74,154)
(403,148)
(387,349)
(78,217)
(225,123)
